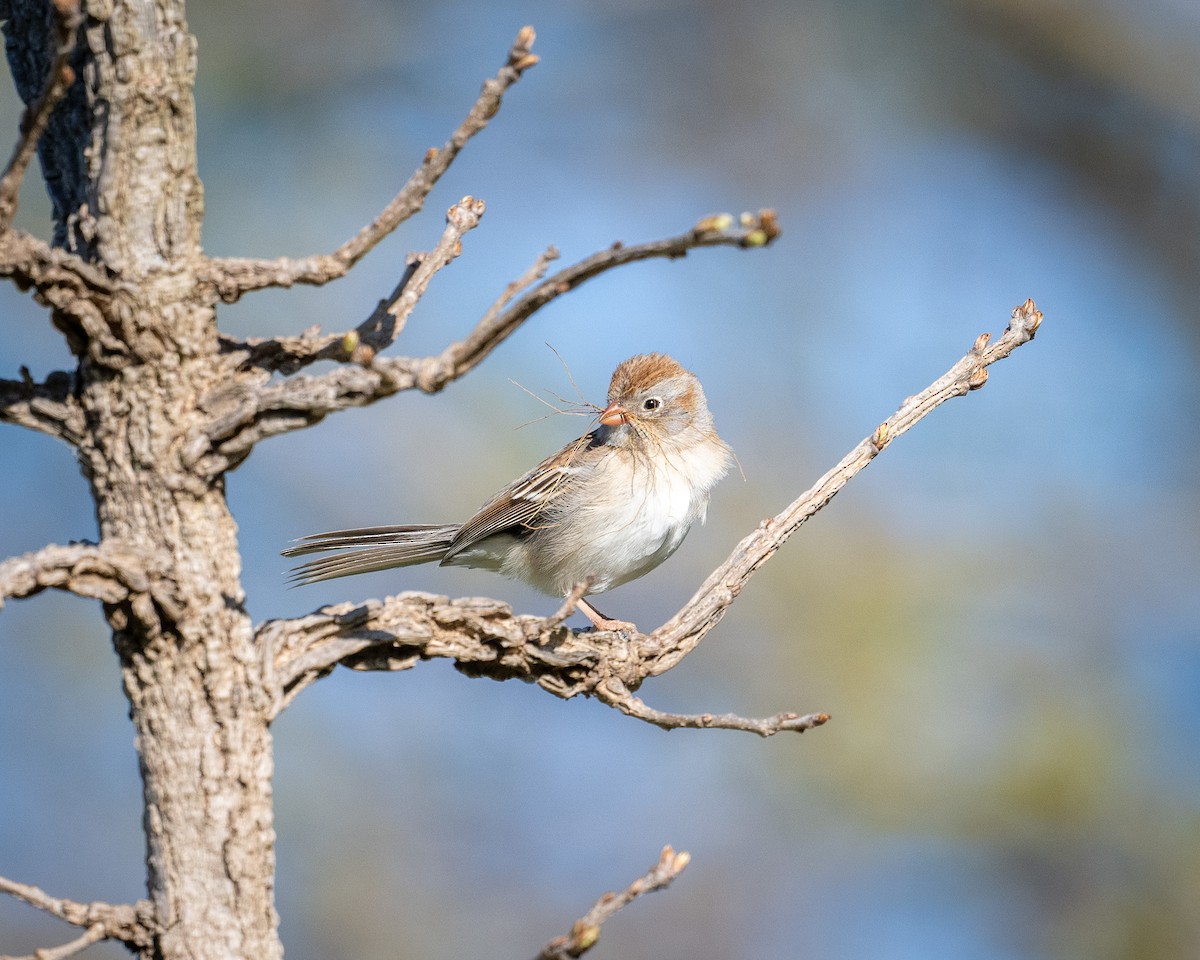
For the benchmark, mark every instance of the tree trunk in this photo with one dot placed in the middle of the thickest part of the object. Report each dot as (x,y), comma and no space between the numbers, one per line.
(119,159)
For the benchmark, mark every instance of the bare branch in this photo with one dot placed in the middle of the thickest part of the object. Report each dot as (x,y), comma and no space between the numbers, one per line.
(111,573)
(270,409)
(232,277)
(482,636)
(36,116)
(131,923)
(80,568)
(531,276)
(586,930)
(380,329)
(56,275)
(615,694)
(291,354)
(485,638)
(680,635)
(246,416)
(750,231)
(569,606)
(93,934)
(48,407)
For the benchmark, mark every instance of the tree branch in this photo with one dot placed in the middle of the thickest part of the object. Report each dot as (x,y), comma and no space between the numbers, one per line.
(133,924)
(381,328)
(750,231)
(242,417)
(616,694)
(93,934)
(111,573)
(232,277)
(291,354)
(268,409)
(585,931)
(677,637)
(36,116)
(485,638)
(56,275)
(49,407)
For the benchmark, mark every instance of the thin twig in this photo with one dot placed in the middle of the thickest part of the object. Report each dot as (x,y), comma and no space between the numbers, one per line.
(274,408)
(37,116)
(569,606)
(232,277)
(291,354)
(680,635)
(585,931)
(616,694)
(433,373)
(536,271)
(267,409)
(93,934)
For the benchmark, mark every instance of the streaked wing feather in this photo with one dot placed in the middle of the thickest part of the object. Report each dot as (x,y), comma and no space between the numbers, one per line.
(516,508)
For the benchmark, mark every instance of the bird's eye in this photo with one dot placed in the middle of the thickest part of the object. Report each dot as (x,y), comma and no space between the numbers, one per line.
(651,403)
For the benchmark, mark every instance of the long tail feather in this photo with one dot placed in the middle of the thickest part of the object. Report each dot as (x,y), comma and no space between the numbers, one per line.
(367,550)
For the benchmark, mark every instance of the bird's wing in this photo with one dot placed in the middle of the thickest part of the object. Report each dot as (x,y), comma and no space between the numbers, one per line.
(517,509)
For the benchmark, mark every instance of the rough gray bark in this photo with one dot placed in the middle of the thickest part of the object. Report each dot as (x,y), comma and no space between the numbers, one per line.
(159,406)
(120,160)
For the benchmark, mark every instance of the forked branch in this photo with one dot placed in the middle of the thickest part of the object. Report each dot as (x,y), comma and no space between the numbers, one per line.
(616,694)
(750,231)
(93,934)
(133,924)
(267,409)
(291,354)
(243,413)
(485,638)
(232,277)
(381,328)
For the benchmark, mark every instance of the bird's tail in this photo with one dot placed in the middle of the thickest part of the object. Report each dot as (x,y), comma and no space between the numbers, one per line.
(368,550)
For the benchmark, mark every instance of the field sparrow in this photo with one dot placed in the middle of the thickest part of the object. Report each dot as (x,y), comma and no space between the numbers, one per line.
(611,506)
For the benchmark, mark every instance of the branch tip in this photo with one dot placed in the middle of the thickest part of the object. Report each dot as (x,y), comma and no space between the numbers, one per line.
(1028,316)
(519,57)
(679,635)
(585,931)
(752,229)
(231,277)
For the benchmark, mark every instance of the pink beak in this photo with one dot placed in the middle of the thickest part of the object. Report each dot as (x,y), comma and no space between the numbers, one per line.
(614,415)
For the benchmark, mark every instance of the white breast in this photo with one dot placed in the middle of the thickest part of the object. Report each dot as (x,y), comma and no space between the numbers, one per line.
(621,520)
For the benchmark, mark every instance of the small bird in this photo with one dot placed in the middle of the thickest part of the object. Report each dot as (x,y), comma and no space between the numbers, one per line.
(606,509)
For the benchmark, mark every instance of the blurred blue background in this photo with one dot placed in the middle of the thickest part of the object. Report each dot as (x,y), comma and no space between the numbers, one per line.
(1001,613)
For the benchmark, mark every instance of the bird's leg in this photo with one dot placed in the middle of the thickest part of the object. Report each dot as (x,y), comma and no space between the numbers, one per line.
(600,621)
